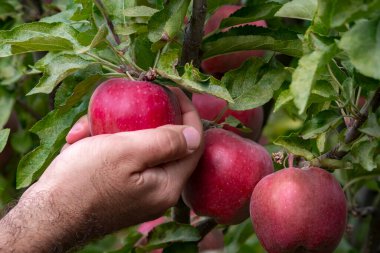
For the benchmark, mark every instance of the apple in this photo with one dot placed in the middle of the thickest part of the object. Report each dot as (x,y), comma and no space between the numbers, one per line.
(209,108)
(228,171)
(223,63)
(299,210)
(119,105)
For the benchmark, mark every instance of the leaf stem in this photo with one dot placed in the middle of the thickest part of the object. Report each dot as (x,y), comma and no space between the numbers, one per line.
(104,62)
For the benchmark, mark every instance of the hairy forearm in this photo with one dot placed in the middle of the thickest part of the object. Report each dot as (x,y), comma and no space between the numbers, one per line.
(40,223)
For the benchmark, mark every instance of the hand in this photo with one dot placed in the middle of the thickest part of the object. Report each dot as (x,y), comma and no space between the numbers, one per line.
(107,182)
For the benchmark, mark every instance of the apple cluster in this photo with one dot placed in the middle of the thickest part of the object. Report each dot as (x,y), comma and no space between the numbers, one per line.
(292,210)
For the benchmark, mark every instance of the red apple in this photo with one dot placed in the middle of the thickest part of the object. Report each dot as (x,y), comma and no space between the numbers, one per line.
(299,210)
(224,63)
(209,108)
(119,105)
(227,172)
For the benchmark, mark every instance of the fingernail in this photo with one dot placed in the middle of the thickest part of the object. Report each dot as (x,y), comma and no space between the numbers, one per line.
(193,138)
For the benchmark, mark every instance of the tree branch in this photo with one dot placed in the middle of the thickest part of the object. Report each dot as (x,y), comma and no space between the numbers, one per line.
(194,34)
(353,132)
(100,6)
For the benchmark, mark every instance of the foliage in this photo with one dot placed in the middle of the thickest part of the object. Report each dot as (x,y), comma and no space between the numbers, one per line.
(320,73)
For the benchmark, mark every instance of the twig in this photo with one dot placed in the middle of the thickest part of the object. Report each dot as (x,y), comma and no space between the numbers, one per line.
(100,6)
(205,226)
(353,132)
(194,34)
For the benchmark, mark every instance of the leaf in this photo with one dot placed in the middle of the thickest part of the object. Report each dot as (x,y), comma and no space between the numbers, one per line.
(39,36)
(285,97)
(4,134)
(171,232)
(295,145)
(371,127)
(252,38)
(249,89)
(251,13)
(167,22)
(6,105)
(140,11)
(142,53)
(57,68)
(364,153)
(345,11)
(194,81)
(320,123)
(99,37)
(301,9)
(51,130)
(169,60)
(234,122)
(361,43)
(306,74)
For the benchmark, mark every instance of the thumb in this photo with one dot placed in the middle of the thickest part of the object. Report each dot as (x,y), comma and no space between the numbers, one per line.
(152,147)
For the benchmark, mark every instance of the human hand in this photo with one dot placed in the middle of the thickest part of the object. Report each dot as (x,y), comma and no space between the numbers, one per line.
(107,182)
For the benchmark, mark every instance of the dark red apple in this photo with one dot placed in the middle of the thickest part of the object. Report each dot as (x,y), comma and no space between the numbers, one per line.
(209,108)
(119,105)
(299,211)
(228,171)
(224,63)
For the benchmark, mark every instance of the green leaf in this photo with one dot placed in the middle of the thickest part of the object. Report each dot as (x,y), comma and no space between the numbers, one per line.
(364,152)
(301,9)
(166,23)
(285,97)
(234,122)
(251,38)
(6,105)
(194,81)
(140,11)
(168,60)
(371,127)
(99,37)
(39,36)
(345,11)
(56,68)
(362,46)
(295,145)
(142,53)
(320,123)
(306,74)
(4,134)
(171,232)
(248,88)
(51,130)
(251,13)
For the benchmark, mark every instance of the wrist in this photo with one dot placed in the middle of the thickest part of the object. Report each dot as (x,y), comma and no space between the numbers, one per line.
(41,222)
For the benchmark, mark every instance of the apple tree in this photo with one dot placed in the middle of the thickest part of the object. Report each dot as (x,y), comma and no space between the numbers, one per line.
(300,77)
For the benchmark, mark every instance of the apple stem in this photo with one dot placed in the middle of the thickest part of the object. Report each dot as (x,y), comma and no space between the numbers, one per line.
(290,160)
(181,213)
(205,226)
